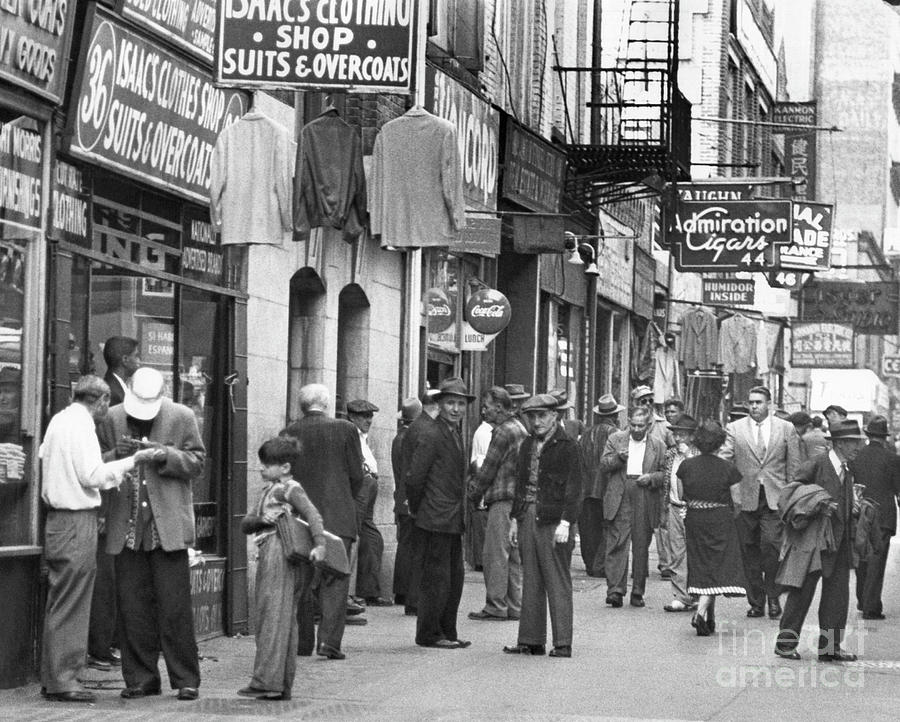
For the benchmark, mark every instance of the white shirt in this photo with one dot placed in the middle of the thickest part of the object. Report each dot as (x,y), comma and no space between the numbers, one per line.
(73,468)
(765,428)
(481,440)
(636,451)
(836,463)
(368,456)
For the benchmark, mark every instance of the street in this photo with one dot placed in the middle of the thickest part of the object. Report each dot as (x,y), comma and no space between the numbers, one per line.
(627,664)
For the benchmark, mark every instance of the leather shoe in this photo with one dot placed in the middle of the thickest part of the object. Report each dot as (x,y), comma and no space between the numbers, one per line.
(873,615)
(378,602)
(483,616)
(792,654)
(356,621)
(442,644)
(774,609)
(637,601)
(755,612)
(678,606)
(564,651)
(534,650)
(78,695)
(188,694)
(462,643)
(136,692)
(838,656)
(100,665)
(614,599)
(354,608)
(326,650)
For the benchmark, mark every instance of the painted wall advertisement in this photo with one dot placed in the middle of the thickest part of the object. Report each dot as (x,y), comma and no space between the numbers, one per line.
(189,24)
(364,46)
(870,308)
(34,45)
(145,111)
(729,235)
(822,345)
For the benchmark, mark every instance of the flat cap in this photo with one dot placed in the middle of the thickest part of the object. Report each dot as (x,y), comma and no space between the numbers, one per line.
(540,402)
(640,392)
(361,406)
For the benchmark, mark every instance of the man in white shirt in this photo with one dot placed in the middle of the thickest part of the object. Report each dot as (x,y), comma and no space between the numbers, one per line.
(73,474)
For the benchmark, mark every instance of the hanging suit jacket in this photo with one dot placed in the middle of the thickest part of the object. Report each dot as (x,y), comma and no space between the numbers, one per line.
(666,379)
(806,512)
(416,191)
(737,344)
(330,184)
(774,470)
(699,340)
(250,181)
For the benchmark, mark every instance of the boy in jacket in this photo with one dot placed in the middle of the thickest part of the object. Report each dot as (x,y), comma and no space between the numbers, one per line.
(547,502)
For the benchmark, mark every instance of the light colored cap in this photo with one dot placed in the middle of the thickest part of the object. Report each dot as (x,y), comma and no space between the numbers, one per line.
(147,386)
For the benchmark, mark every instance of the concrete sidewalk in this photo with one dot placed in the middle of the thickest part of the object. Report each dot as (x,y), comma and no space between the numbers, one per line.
(628,664)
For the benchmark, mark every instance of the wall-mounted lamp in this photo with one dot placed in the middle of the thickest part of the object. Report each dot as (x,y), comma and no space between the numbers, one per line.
(572,249)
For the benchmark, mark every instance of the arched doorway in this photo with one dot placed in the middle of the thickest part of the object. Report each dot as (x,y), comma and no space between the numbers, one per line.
(306,335)
(352,379)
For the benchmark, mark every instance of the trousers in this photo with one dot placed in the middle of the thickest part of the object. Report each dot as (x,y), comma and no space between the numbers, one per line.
(502,564)
(546,582)
(329,593)
(676,556)
(70,551)
(592,531)
(440,588)
(155,615)
(403,558)
(759,532)
(102,632)
(630,530)
(870,577)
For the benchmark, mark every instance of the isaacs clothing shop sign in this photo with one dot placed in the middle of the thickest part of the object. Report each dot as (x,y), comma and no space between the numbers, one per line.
(144,111)
(358,44)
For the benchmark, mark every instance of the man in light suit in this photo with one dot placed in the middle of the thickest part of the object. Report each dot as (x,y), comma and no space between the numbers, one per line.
(634,462)
(150,526)
(766,450)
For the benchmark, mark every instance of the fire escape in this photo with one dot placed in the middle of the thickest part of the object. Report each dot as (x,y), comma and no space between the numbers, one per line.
(641,123)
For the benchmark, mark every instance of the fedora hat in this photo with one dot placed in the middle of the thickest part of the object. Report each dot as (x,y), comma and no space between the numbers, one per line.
(684,422)
(877,426)
(516,391)
(608,406)
(541,402)
(453,386)
(147,385)
(640,392)
(845,430)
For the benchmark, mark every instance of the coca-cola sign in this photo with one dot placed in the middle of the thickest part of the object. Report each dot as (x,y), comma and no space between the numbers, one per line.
(440,309)
(488,311)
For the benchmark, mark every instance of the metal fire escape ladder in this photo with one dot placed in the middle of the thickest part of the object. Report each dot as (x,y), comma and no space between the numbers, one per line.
(641,120)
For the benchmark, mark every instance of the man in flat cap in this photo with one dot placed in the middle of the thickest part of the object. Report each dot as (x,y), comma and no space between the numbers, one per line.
(591,526)
(549,482)
(409,412)
(435,487)
(371,544)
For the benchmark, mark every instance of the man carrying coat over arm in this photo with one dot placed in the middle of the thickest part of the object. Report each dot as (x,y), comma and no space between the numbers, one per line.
(547,502)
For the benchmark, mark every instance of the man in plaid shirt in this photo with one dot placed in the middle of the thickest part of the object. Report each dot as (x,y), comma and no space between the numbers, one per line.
(496,482)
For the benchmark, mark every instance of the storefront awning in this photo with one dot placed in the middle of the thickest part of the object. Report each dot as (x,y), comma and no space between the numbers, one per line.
(857,390)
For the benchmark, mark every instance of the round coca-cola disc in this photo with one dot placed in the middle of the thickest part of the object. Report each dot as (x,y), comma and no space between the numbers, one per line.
(488,311)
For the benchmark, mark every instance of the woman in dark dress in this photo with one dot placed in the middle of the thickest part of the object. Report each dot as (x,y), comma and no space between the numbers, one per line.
(713,550)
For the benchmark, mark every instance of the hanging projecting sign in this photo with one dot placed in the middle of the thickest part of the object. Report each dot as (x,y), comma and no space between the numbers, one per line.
(728,292)
(799,145)
(202,254)
(364,46)
(189,24)
(487,313)
(729,235)
(34,44)
(69,206)
(822,345)
(534,171)
(871,308)
(714,191)
(21,152)
(810,249)
(144,111)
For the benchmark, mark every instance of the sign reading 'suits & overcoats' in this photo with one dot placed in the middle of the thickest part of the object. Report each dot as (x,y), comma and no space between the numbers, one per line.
(144,111)
(822,346)
(357,44)
(730,235)
(728,292)
(34,44)
(189,24)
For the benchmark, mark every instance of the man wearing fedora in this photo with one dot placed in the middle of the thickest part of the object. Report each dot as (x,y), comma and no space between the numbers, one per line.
(634,462)
(673,510)
(766,450)
(878,468)
(832,472)
(517,395)
(370,547)
(495,483)
(150,526)
(435,488)
(549,480)
(410,410)
(591,526)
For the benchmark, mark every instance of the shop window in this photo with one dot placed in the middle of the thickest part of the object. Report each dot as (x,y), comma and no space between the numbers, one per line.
(306,335)
(353,345)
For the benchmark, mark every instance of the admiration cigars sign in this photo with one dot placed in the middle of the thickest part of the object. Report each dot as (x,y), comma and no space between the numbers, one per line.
(358,44)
